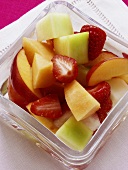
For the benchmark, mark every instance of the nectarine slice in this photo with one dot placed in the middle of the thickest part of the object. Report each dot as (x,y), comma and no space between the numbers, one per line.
(14,96)
(21,77)
(33,46)
(42,74)
(104,55)
(105,70)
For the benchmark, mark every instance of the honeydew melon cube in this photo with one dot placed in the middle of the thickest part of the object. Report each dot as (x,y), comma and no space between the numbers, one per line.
(42,74)
(74,46)
(82,72)
(74,134)
(54,25)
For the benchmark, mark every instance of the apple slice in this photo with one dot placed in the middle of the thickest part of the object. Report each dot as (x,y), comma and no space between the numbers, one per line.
(74,46)
(118,88)
(42,74)
(80,102)
(105,70)
(43,120)
(21,77)
(75,134)
(104,55)
(54,25)
(33,46)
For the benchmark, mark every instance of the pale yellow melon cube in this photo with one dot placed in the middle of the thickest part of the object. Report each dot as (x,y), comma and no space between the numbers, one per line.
(81,103)
(54,25)
(42,74)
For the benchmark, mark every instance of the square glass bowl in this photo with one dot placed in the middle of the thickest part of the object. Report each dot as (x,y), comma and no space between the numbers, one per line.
(24,122)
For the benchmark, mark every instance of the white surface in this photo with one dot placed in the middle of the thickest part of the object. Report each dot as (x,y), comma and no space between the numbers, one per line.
(19,153)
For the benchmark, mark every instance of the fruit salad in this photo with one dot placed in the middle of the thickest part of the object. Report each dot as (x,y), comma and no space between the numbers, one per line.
(66,80)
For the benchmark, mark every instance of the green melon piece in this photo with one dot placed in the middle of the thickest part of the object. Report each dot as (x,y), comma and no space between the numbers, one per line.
(74,134)
(75,46)
(54,25)
(82,72)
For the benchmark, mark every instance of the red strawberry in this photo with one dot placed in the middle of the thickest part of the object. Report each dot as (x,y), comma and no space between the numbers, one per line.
(97,39)
(56,88)
(105,108)
(100,92)
(65,68)
(125,55)
(48,106)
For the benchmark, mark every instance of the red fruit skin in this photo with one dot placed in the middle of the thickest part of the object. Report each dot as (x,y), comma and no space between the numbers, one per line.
(48,106)
(92,70)
(97,39)
(19,85)
(100,92)
(125,55)
(105,108)
(15,97)
(65,69)
(56,88)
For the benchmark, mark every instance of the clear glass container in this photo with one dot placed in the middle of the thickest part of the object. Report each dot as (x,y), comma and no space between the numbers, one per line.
(25,123)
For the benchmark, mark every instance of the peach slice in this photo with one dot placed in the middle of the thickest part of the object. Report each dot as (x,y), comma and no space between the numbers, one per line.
(42,74)
(105,70)
(21,77)
(33,46)
(104,55)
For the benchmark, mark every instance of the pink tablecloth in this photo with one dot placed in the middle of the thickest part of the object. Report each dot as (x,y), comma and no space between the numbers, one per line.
(12,10)
(126,2)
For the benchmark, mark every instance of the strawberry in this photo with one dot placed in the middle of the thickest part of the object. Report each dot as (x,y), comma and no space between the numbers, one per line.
(97,39)
(100,92)
(125,55)
(56,88)
(105,108)
(65,68)
(48,106)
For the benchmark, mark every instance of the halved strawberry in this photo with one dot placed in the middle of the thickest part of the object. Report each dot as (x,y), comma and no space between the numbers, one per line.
(48,106)
(97,39)
(105,108)
(100,92)
(65,68)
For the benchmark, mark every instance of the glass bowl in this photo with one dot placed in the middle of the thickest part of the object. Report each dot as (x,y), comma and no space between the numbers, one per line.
(25,123)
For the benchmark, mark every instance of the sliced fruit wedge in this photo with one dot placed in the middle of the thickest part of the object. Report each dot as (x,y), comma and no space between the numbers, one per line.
(105,70)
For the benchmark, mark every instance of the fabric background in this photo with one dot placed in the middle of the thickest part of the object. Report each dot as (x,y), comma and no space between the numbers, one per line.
(14,9)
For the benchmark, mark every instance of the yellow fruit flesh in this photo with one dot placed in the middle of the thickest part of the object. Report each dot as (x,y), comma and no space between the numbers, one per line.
(42,72)
(26,72)
(81,103)
(33,46)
